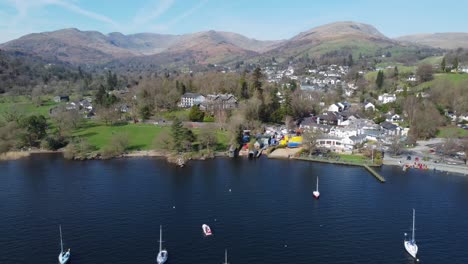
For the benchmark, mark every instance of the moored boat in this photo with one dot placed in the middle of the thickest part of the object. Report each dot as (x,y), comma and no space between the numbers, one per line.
(162,254)
(206,230)
(63,256)
(316,193)
(410,245)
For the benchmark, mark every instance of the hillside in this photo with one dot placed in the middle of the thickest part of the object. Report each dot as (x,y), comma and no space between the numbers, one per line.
(438,40)
(91,47)
(332,41)
(340,38)
(69,45)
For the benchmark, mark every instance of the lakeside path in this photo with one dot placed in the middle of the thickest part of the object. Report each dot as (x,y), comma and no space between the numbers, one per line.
(460,169)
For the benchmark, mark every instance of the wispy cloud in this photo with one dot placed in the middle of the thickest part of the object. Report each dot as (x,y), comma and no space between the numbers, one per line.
(24,6)
(177,19)
(152,12)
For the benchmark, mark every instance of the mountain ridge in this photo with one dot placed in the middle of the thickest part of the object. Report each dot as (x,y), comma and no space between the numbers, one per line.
(74,46)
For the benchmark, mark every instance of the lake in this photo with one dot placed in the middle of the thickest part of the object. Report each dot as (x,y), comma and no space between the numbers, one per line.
(262,211)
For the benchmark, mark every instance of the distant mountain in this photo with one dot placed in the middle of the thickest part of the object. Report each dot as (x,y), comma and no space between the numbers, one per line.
(91,47)
(341,37)
(335,40)
(69,45)
(438,40)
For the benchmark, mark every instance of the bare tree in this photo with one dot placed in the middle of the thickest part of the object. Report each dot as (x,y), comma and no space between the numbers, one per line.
(108,115)
(425,73)
(66,120)
(396,145)
(207,137)
(309,139)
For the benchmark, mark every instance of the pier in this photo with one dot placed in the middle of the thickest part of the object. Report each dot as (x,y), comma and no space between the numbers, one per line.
(368,167)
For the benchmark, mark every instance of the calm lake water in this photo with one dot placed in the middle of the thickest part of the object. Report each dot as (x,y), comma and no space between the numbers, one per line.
(110,212)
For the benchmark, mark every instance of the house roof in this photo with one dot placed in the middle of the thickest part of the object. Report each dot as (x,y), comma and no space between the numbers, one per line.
(388,126)
(191,95)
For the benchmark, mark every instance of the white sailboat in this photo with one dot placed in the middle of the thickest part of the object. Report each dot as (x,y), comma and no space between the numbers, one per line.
(225,257)
(410,245)
(63,256)
(316,193)
(162,254)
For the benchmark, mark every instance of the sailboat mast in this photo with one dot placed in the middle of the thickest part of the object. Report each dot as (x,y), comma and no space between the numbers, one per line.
(61,243)
(413,224)
(225,256)
(317,183)
(160,238)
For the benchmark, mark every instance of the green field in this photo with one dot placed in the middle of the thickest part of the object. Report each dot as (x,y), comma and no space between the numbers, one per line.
(452,131)
(27,108)
(451,77)
(141,136)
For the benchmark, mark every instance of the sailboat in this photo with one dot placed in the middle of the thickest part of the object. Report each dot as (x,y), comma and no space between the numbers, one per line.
(63,256)
(410,245)
(316,193)
(225,257)
(162,254)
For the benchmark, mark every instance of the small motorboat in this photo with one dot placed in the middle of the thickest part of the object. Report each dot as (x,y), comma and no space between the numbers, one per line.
(206,230)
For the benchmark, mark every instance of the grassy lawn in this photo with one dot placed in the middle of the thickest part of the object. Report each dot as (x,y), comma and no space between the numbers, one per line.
(28,108)
(353,158)
(141,136)
(452,131)
(182,114)
(451,77)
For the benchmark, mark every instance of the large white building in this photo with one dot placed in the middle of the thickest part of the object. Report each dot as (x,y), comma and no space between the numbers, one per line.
(387,98)
(190,99)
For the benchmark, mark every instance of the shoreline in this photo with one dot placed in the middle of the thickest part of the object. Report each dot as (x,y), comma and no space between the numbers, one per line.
(283,154)
(457,169)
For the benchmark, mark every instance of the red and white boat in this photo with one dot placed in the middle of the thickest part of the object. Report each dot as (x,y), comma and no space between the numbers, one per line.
(206,230)
(316,193)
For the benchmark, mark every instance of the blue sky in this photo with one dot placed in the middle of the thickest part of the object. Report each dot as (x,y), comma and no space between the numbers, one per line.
(260,19)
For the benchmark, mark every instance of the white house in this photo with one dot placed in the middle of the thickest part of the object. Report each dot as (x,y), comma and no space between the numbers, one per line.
(387,98)
(369,106)
(334,108)
(411,78)
(190,99)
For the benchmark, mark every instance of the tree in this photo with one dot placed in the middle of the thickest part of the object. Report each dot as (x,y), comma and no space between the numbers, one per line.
(425,73)
(464,144)
(108,115)
(380,79)
(450,145)
(443,64)
(455,64)
(350,60)
(196,115)
(395,72)
(207,137)
(145,112)
(257,81)
(35,127)
(309,139)
(112,81)
(163,141)
(118,144)
(66,120)
(396,145)
(182,138)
